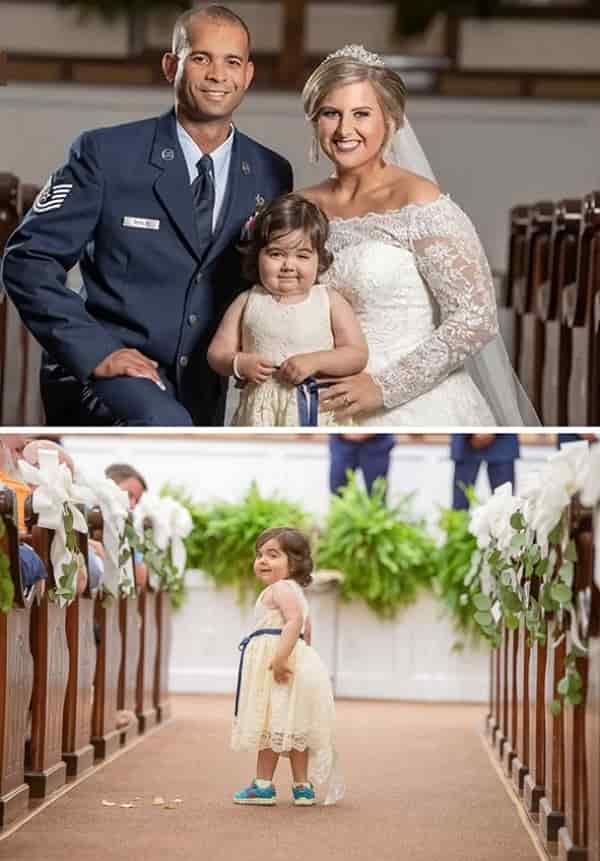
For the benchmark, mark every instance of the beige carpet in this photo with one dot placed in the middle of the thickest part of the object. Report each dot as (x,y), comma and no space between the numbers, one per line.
(420,787)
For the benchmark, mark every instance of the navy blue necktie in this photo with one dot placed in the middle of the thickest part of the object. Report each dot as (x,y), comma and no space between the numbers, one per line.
(203,192)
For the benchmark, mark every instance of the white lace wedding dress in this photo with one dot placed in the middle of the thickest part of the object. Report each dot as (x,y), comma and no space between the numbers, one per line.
(420,284)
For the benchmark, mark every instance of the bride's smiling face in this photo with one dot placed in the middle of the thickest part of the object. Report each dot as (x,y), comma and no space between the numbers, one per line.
(351,126)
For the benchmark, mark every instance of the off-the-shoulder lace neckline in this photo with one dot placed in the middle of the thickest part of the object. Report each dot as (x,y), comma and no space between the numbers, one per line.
(386,212)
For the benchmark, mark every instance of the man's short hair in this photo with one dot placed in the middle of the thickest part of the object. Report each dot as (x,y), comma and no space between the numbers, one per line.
(181,38)
(120,472)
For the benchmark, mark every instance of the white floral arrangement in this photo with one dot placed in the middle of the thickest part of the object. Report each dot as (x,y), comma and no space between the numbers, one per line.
(524,568)
(56,500)
(165,551)
(113,502)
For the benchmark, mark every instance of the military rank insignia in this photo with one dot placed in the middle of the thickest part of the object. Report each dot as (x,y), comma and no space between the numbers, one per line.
(52,196)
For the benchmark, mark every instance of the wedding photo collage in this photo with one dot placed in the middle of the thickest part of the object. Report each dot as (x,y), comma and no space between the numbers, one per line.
(299,429)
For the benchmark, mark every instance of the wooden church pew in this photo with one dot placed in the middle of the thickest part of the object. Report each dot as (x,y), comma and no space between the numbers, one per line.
(572,837)
(517,259)
(78,751)
(592,720)
(578,311)
(20,353)
(45,768)
(145,691)
(531,350)
(16,674)
(106,738)
(556,370)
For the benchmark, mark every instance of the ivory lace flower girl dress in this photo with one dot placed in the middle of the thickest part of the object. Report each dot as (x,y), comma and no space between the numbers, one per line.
(297,715)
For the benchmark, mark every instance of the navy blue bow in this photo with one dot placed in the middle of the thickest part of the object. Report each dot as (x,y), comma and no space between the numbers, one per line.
(307,393)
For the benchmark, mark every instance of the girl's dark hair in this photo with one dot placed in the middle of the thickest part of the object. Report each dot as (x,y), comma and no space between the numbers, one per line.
(297,549)
(280,217)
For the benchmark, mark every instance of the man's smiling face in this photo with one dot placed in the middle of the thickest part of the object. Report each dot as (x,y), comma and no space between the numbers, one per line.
(212,74)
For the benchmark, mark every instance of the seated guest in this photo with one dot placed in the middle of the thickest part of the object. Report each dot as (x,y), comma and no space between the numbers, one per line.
(11,449)
(32,567)
(30,453)
(130,480)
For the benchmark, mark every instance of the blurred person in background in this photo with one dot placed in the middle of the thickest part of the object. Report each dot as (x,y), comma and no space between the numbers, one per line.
(468,451)
(133,482)
(369,452)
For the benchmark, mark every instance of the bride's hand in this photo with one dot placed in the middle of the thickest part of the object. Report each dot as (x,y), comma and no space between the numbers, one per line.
(351,395)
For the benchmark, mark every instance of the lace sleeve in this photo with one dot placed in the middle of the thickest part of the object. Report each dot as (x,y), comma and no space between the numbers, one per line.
(451,261)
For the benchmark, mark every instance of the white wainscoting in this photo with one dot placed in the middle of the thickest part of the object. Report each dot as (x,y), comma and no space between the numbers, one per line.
(410,658)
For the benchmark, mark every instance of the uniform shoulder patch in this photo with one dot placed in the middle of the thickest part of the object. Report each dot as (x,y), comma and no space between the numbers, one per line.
(52,196)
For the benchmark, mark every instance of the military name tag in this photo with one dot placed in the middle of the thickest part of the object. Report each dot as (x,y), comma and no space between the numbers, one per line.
(143,223)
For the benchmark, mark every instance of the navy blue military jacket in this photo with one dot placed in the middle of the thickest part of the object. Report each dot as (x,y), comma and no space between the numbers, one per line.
(122,206)
(504,447)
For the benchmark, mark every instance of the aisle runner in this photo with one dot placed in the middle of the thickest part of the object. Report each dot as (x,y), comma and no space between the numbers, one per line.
(420,787)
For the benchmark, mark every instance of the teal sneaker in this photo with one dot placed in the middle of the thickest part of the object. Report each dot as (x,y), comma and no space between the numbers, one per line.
(304,795)
(254,795)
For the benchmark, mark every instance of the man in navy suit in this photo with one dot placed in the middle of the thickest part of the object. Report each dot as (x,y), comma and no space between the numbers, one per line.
(152,210)
(369,452)
(469,451)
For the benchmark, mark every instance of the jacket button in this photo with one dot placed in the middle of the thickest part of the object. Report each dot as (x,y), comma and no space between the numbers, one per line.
(192,319)
(183,361)
(199,278)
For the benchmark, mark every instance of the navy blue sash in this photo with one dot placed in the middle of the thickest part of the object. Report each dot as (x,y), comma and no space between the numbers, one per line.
(307,393)
(242,647)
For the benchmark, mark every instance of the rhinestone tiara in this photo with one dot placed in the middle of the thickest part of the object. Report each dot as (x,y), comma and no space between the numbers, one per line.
(358,53)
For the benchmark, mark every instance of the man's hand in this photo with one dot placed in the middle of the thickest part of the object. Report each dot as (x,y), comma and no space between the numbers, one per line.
(128,363)
(481,440)
(254,367)
(297,368)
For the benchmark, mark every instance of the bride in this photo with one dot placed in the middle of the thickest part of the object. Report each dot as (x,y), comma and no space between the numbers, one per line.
(407,259)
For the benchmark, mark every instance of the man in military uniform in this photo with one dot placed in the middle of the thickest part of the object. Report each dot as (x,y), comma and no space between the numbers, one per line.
(152,210)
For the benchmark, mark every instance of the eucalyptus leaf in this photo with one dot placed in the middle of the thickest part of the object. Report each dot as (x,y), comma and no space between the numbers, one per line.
(555,707)
(517,521)
(555,534)
(560,593)
(571,552)
(566,572)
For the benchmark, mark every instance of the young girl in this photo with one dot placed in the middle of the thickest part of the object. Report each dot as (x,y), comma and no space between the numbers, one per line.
(288,327)
(284,704)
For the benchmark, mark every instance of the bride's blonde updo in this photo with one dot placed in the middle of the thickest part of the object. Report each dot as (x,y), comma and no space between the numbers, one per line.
(352,65)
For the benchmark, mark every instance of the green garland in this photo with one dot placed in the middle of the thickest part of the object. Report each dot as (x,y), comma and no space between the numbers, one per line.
(529,588)
(7,588)
(160,565)
(222,540)
(66,580)
(385,559)
(453,566)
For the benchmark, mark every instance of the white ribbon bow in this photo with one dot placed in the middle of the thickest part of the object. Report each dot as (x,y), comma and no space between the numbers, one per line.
(55,495)
(114,505)
(171,523)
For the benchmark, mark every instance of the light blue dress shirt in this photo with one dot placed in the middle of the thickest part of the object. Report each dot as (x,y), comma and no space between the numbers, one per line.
(221,158)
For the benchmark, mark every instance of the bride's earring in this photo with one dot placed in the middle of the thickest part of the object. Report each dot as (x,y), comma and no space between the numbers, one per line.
(386,150)
(313,153)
